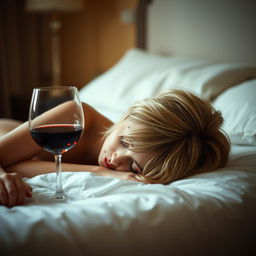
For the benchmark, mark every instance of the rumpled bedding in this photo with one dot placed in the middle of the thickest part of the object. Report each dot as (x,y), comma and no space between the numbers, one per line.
(205,214)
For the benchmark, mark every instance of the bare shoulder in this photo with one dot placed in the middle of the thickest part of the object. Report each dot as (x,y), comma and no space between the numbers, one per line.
(88,148)
(6,125)
(94,119)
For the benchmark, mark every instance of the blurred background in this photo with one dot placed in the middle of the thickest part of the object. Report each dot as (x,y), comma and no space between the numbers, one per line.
(86,37)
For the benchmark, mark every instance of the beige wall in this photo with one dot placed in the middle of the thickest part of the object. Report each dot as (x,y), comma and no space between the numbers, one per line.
(218,30)
(91,42)
(94,39)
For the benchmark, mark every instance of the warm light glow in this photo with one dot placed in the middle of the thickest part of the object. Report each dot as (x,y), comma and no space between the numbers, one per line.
(54,5)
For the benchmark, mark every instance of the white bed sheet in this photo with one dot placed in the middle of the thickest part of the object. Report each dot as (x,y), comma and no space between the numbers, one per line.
(206,214)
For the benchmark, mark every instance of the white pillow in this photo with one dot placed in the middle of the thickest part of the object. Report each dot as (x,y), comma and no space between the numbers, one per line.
(141,75)
(238,107)
(136,76)
(210,79)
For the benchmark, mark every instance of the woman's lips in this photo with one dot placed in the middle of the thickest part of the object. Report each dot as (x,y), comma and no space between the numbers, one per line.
(108,165)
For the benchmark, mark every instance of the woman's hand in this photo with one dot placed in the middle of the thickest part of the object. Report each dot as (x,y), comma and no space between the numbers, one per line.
(13,189)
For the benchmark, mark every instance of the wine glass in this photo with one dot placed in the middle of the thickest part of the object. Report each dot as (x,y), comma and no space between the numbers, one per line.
(56,123)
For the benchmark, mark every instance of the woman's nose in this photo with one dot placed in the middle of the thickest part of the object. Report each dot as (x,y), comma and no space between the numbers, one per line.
(113,159)
(120,161)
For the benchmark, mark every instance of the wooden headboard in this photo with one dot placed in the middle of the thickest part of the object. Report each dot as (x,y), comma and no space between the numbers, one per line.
(219,30)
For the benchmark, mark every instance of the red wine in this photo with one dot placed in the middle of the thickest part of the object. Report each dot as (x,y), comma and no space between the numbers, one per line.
(58,138)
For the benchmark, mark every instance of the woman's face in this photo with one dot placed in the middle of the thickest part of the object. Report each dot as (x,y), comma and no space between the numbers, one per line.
(115,153)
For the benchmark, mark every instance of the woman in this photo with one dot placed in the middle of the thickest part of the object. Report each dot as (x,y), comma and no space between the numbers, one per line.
(159,140)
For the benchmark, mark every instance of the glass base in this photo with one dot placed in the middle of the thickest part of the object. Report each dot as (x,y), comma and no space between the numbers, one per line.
(60,195)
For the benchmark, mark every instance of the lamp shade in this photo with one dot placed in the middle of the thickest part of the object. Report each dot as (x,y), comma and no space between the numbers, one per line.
(54,5)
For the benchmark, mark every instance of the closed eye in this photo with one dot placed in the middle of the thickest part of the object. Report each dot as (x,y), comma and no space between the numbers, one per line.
(124,143)
(134,167)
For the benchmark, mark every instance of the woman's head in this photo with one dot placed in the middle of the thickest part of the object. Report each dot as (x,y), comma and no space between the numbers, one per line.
(179,132)
(118,154)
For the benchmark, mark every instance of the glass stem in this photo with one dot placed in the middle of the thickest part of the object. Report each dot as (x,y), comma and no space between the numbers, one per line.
(59,192)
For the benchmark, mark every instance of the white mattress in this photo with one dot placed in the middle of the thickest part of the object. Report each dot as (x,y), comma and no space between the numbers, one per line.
(202,215)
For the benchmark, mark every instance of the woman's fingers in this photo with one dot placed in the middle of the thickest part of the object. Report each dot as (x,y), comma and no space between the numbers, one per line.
(3,194)
(21,189)
(28,190)
(13,189)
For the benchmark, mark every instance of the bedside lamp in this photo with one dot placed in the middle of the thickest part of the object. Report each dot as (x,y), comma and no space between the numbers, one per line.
(54,8)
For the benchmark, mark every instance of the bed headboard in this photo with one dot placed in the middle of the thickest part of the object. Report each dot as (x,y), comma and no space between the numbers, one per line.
(221,30)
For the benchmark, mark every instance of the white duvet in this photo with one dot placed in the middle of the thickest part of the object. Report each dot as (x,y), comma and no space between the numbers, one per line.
(206,214)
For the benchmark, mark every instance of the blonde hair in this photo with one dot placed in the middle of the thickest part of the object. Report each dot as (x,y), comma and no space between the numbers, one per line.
(183,131)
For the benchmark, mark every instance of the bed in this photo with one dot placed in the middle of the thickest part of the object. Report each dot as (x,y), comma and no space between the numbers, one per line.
(212,213)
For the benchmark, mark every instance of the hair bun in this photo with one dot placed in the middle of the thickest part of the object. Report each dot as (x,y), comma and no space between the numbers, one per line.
(214,124)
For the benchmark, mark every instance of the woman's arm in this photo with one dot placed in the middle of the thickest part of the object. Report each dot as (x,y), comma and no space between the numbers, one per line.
(18,145)
(13,189)
(31,168)
(17,148)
